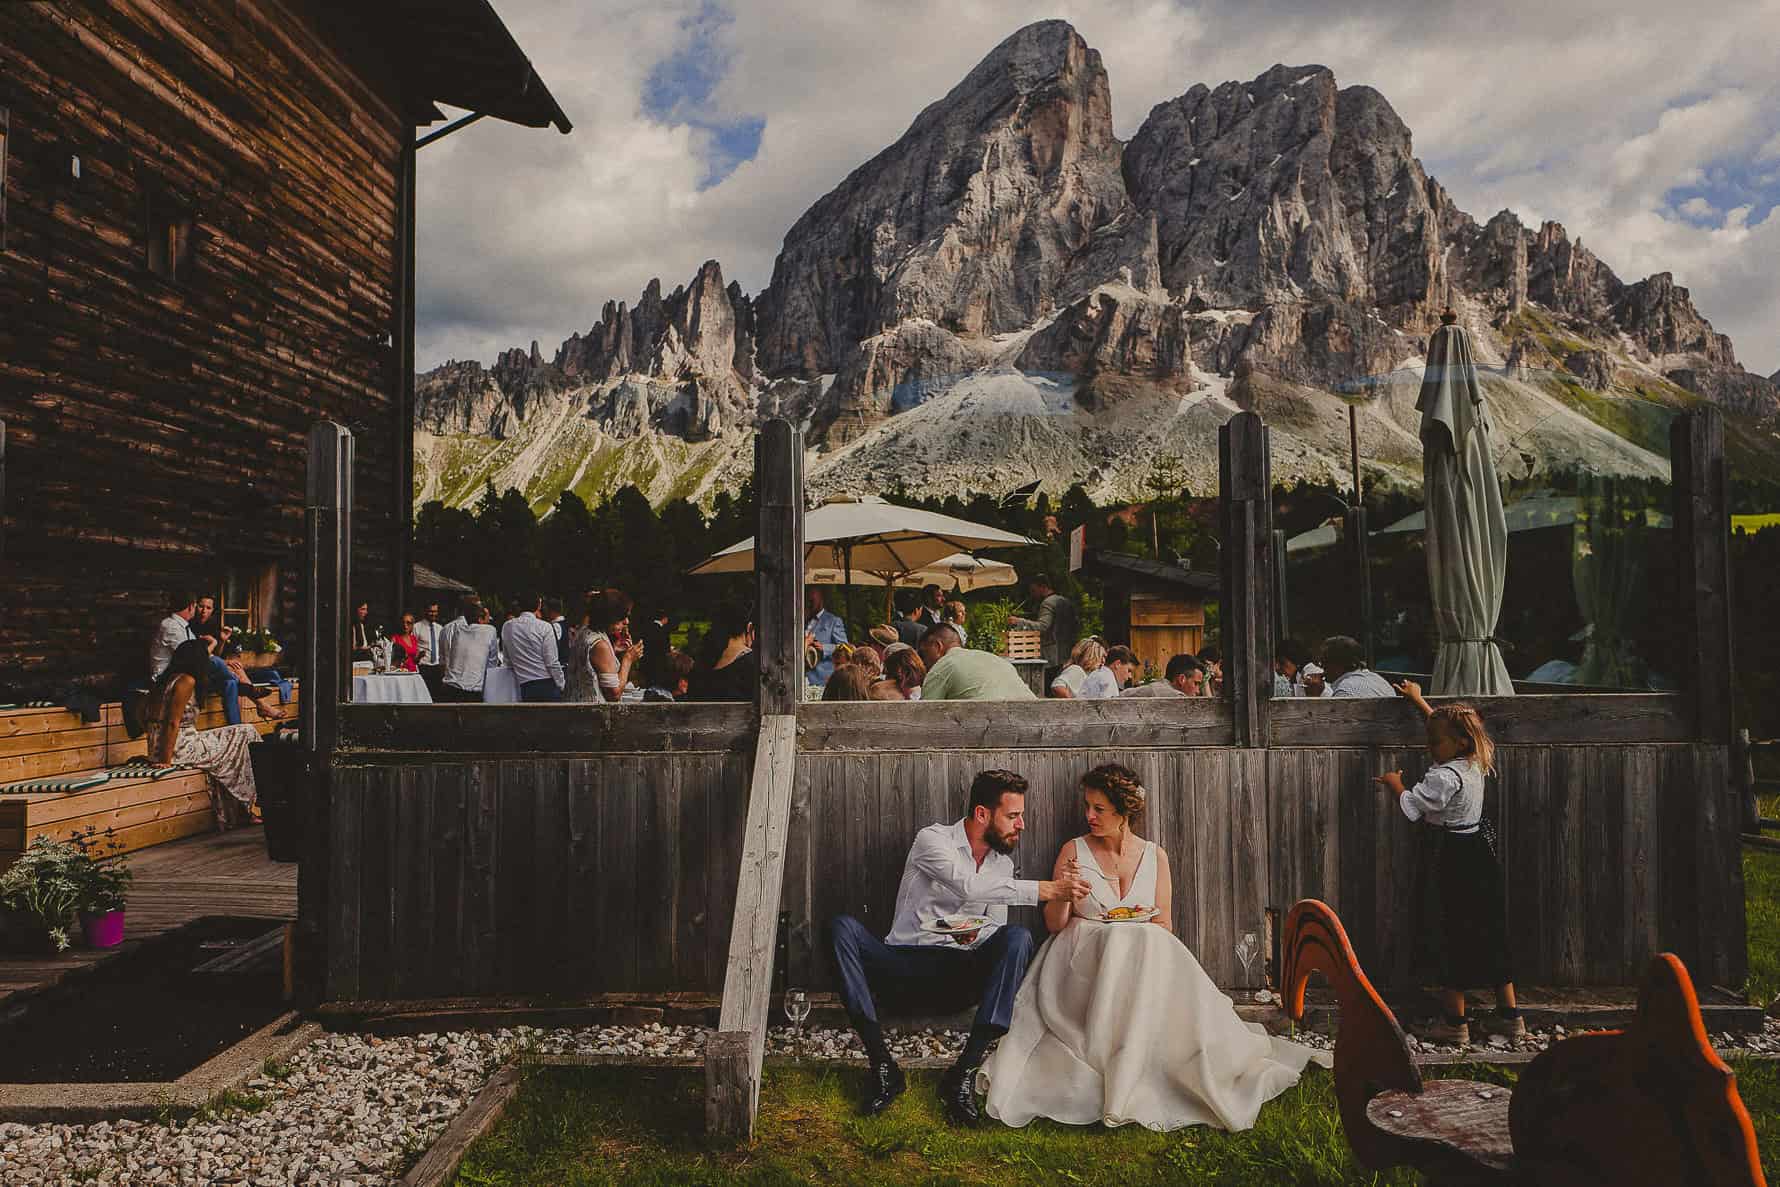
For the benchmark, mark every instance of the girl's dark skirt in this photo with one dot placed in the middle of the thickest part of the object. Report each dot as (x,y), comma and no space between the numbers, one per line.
(1474,924)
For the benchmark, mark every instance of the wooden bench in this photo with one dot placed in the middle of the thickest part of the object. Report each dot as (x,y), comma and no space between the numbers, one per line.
(1650,1104)
(140,811)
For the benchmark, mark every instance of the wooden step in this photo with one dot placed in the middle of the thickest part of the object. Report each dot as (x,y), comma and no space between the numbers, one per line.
(121,804)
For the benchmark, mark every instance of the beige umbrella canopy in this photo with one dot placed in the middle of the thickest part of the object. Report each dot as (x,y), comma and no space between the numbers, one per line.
(868,535)
(959,573)
(867,541)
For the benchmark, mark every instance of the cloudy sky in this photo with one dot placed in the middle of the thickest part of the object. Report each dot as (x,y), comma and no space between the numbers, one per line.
(703,128)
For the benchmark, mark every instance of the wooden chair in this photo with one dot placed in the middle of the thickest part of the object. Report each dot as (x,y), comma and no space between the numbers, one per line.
(1650,1104)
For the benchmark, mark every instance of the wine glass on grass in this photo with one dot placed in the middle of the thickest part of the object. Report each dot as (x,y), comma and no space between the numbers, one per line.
(797,1008)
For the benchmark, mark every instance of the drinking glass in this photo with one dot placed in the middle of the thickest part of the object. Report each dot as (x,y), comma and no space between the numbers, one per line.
(1247,948)
(797,1008)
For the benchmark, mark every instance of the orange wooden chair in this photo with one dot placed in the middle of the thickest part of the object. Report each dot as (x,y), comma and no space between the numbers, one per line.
(1652,1104)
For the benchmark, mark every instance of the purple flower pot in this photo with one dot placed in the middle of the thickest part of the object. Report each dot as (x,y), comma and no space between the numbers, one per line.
(104,930)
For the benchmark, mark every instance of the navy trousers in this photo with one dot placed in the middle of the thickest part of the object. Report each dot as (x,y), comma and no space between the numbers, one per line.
(942,979)
(540,691)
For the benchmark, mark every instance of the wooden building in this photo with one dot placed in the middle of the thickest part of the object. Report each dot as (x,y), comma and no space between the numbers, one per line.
(206,246)
(1155,607)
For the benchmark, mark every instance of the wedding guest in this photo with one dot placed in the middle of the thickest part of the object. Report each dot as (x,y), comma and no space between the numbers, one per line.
(958,614)
(1123,663)
(904,671)
(1345,662)
(431,633)
(224,679)
(679,679)
(607,621)
(1184,677)
(1085,677)
(909,628)
(656,636)
(850,682)
(867,659)
(472,648)
(731,671)
(361,632)
(171,713)
(931,612)
(207,625)
(530,646)
(823,631)
(1056,623)
(1311,682)
(882,636)
(404,647)
(1288,657)
(1212,659)
(958,673)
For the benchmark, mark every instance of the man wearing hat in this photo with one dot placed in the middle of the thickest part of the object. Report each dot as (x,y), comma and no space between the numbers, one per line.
(883,635)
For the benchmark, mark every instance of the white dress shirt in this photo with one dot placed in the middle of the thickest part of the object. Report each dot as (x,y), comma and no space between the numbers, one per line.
(942,878)
(432,638)
(173,631)
(470,651)
(530,644)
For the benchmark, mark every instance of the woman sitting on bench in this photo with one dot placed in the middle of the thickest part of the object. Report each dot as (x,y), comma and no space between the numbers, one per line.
(174,736)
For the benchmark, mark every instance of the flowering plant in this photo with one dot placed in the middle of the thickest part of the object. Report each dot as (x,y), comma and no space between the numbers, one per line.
(52,881)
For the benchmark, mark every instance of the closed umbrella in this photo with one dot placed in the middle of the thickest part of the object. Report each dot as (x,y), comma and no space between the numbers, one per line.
(1466,535)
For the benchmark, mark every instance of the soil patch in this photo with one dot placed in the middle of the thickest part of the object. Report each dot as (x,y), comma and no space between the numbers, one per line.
(147,1016)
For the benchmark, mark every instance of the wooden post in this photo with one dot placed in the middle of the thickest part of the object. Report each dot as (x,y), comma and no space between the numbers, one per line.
(778,566)
(2,492)
(402,348)
(1743,770)
(1246,556)
(733,1056)
(1358,543)
(327,515)
(1701,491)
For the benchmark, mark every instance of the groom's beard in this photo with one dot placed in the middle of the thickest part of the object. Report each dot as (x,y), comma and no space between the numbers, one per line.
(1001,842)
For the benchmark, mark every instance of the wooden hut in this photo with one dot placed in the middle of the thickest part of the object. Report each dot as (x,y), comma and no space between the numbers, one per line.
(1156,607)
(206,246)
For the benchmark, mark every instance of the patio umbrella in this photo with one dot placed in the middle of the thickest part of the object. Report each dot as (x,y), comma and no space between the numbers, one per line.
(1466,535)
(959,573)
(869,536)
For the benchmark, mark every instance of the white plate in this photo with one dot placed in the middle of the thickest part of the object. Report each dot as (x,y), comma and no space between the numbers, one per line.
(951,925)
(1148,914)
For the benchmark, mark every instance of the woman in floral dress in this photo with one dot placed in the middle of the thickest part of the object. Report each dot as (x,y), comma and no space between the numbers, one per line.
(174,736)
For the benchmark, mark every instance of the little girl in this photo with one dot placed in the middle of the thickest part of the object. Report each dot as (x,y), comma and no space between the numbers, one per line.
(1473,923)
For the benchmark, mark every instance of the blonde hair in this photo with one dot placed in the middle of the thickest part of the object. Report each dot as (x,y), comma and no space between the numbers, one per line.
(955,612)
(1088,654)
(1119,784)
(1466,725)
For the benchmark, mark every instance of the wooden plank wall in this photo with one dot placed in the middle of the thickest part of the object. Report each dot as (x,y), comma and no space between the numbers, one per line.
(568,875)
(589,873)
(155,428)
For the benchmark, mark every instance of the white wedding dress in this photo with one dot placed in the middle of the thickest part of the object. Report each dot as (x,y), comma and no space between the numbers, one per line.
(1117,1023)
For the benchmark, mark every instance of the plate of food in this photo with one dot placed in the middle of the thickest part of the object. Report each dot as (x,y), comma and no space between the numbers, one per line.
(1130,914)
(956,925)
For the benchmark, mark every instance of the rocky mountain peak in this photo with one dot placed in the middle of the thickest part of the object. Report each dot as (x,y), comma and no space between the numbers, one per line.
(1001,202)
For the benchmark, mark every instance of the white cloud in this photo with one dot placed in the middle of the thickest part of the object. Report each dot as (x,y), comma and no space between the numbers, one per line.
(1587,111)
(1697,207)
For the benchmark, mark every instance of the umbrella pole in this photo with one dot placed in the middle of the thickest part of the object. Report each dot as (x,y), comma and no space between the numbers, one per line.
(847,589)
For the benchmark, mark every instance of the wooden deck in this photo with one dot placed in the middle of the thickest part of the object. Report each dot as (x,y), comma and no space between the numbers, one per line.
(217,874)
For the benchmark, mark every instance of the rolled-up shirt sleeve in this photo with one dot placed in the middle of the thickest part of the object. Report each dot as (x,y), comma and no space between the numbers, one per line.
(940,862)
(1432,794)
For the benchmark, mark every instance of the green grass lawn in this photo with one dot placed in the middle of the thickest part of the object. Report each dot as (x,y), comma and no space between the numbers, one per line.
(575,1126)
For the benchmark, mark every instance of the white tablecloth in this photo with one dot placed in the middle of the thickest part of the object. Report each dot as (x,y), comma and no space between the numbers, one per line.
(391,688)
(499,687)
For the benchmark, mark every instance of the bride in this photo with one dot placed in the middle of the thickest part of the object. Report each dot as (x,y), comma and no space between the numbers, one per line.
(1116,1022)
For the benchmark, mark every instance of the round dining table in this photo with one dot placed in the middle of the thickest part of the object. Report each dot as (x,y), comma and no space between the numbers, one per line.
(390,688)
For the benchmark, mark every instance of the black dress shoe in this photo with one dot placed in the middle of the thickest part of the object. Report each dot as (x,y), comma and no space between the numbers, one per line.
(885,1085)
(957,1091)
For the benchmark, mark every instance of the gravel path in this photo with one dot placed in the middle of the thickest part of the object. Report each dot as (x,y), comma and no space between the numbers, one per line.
(355,1111)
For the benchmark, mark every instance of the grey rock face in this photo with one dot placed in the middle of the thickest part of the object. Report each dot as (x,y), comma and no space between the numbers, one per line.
(1002,201)
(1114,331)
(1593,367)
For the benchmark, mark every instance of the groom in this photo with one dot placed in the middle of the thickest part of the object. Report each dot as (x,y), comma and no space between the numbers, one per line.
(952,869)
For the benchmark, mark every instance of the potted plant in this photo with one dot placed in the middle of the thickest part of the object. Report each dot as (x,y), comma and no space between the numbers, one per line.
(104,877)
(41,894)
(258,648)
(56,884)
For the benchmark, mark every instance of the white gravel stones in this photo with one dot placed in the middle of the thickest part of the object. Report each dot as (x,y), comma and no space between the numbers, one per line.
(358,1110)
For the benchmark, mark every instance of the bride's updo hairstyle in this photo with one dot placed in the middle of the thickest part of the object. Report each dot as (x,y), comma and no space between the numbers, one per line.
(1119,784)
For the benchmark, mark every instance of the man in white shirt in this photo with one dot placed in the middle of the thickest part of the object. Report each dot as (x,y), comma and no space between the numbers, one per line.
(530,644)
(471,648)
(964,868)
(431,633)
